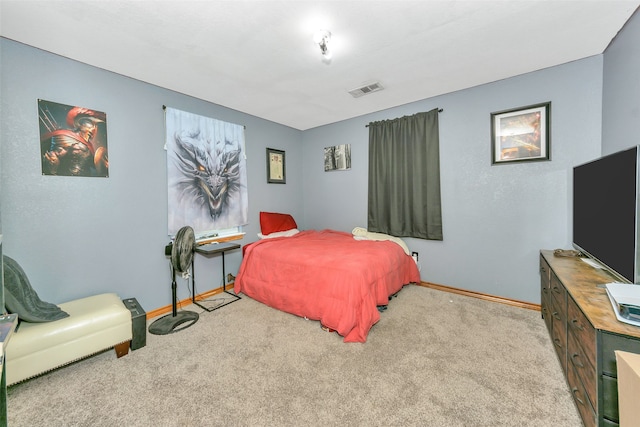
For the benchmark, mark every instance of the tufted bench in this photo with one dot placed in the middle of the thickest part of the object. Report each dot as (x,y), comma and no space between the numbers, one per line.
(94,324)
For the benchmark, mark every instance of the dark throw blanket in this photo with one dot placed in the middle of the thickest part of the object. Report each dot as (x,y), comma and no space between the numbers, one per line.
(22,299)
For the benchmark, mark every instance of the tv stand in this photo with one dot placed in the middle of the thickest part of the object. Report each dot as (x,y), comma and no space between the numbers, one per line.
(585,334)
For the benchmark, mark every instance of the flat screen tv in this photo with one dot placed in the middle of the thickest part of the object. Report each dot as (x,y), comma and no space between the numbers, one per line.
(605,212)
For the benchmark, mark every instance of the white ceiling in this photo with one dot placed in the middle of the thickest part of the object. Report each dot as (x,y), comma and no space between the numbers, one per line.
(259,57)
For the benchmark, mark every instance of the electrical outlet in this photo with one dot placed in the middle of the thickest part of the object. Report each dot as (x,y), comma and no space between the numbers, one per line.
(415,256)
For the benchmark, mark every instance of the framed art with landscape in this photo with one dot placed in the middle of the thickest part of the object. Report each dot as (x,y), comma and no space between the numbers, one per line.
(521,134)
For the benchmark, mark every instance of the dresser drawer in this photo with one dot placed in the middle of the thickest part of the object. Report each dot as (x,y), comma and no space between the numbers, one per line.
(610,399)
(545,304)
(545,309)
(587,413)
(558,292)
(582,329)
(545,293)
(559,334)
(545,272)
(611,343)
(607,423)
(585,371)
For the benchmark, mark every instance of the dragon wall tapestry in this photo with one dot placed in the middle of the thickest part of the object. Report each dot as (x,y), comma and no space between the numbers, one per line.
(73,140)
(206,172)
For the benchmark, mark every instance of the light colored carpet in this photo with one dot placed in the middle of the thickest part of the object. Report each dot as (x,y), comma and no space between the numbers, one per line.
(434,359)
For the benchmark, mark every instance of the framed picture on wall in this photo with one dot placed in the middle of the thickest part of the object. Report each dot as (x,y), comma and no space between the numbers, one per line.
(337,158)
(276,169)
(521,134)
(73,140)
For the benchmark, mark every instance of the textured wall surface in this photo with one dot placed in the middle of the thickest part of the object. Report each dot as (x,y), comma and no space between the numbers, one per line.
(495,218)
(81,236)
(78,236)
(621,97)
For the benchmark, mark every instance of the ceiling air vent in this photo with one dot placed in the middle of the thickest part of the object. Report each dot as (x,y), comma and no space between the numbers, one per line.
(365,90)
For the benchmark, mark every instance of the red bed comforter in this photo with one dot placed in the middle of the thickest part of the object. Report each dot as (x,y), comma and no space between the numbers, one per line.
(327,276)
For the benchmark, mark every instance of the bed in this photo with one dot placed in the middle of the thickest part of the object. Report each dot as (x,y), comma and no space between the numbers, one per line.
(325,275)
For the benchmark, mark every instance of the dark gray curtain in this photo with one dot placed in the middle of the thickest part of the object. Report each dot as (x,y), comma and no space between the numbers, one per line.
(404,177)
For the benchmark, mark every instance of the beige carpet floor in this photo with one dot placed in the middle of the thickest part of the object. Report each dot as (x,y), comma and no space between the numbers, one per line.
(434,359)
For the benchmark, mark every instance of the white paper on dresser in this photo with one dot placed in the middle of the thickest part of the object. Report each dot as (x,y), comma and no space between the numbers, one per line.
(625,301)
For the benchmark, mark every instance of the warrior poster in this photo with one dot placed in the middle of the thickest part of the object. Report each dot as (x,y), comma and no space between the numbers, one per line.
(206,172)
(73,140)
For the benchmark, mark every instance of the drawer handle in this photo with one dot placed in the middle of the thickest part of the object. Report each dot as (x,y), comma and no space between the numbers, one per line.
(576,360)
(575,392)
(556,289)
(576,324)
(556,315)
(557,342)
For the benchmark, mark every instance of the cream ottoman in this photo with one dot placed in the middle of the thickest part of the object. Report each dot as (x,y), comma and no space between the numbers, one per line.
(94,324)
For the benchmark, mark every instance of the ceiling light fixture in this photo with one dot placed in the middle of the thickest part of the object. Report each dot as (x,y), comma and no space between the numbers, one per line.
(322,39)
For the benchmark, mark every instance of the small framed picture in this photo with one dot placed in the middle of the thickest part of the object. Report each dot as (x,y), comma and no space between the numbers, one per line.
(276,170)
(521,134)
(337,158)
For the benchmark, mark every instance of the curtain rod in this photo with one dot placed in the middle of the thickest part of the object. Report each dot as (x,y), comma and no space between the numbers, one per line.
(440,110)
(164,107)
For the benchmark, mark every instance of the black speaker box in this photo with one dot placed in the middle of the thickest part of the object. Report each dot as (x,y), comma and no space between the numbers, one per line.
(138,323)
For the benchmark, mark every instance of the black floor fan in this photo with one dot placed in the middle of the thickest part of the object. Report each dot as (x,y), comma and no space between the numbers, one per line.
(181,257)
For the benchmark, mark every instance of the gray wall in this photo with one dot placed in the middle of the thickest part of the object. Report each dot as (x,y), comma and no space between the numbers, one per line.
(495,218)
(81,236)
(621,100)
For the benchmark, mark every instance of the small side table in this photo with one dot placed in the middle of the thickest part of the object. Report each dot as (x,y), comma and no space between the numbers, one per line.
(212,249)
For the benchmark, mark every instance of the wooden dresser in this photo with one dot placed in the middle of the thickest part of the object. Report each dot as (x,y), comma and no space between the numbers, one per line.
(585,333)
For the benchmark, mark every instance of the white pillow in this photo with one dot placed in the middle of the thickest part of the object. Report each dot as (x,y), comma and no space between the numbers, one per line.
(287,233)
(360,233)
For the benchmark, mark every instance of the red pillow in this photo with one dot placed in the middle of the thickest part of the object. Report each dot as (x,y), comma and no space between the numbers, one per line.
(271,222)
